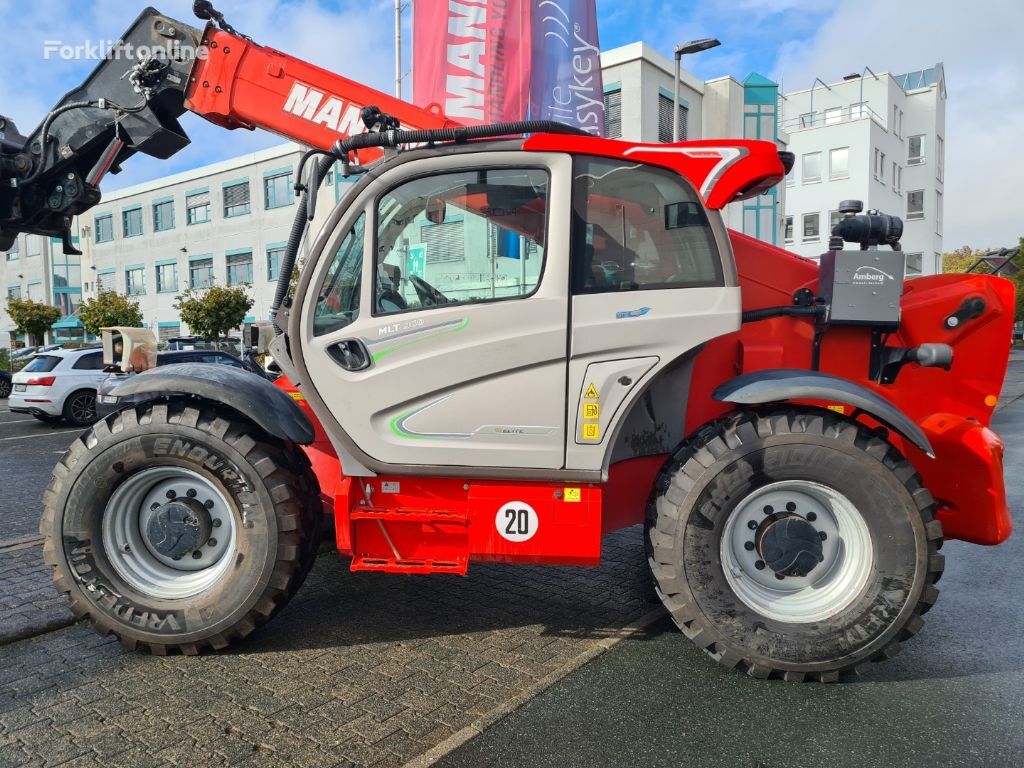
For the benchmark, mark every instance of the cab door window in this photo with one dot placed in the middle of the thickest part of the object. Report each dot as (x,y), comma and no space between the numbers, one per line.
(638,227)
(337,302)
(457,238)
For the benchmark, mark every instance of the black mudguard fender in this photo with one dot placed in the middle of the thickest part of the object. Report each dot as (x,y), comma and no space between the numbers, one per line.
(781,384)
(252,396)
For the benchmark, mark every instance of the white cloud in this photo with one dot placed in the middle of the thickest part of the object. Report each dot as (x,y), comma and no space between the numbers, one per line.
(979,45)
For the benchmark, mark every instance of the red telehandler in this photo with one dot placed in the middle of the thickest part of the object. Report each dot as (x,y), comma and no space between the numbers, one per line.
(795,438)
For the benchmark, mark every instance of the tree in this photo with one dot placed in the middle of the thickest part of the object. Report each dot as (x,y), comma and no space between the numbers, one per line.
(212,312)
(32,318)
(959,260)
(107,310)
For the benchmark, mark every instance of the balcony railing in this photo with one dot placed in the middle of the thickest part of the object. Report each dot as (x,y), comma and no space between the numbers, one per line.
(831,116)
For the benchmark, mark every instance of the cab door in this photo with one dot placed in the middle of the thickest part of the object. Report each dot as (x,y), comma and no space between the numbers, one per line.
(438,335)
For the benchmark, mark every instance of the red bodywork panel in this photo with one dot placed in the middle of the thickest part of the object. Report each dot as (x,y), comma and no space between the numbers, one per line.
(439,524)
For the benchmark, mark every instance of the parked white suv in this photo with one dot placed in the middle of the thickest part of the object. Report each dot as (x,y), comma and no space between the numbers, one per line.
(59,385)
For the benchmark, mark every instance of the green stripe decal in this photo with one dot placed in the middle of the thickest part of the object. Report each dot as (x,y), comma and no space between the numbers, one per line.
(389,350)
(406,435)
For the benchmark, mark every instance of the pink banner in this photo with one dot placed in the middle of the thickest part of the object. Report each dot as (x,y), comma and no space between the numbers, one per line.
(472,58)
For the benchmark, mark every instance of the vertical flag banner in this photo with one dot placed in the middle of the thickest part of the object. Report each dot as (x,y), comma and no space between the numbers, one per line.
(566,83)
(472,57)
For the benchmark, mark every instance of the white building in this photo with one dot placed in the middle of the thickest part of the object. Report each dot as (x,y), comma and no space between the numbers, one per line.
(872,137)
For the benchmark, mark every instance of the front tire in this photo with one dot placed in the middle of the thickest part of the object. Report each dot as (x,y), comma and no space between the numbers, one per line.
(794,544)
(5,388)
(178,527)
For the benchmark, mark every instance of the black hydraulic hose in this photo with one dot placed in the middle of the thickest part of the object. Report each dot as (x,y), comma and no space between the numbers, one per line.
(393,138)
(814,310)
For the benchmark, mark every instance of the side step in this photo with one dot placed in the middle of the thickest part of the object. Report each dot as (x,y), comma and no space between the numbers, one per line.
(410,540)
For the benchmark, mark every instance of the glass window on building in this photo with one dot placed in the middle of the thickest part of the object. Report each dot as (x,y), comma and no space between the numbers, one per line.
(638,228)
(858,110)
(240,268)
(938,212)
(939,162)
(168,331)
(135,281)
(278,190)
(131,221)
(33,245)
(811,167)
(839,163)
(915,150)
(274,256)
(915,204)
(914,262)
(104,228)
(106,281)
(197,207)
(14,292)
(834,217)
(236,199)
(665,119)
(788,228)
(613,114)
(200,273)
(163,216)
(833,115)
(812,226)
(166,278)
(897,178)
(12,252)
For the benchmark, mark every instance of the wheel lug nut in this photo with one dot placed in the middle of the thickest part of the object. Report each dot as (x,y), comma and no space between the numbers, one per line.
(749,546)
(176,557)
(208,503)
(196,555)
(216,523)
(822,535)
(790,506)
(779,576)
(171,494)
(154,507)
(211,542)
(768,509)
(759,565)
(752,525)
(191,493)
(811,517)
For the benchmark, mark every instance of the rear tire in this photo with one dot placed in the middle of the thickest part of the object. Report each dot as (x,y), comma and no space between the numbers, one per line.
(748,498)
(80,408)
(5,389)
(228,480)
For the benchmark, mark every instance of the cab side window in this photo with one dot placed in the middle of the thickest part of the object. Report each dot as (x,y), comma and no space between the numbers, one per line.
(638,227)
(337,302)
(462,237)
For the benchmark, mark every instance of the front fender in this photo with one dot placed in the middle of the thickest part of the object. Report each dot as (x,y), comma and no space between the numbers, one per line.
(252,396)
(780,384)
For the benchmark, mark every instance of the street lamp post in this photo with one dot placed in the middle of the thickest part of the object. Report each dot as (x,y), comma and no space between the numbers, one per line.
(694,46)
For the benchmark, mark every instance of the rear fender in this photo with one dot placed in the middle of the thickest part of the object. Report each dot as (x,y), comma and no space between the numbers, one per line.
(255,398)
(783,384)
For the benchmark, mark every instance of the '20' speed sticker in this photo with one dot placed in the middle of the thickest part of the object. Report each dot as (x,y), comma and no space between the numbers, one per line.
(516,521)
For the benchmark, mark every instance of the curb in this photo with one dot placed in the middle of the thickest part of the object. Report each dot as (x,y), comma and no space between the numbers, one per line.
(485,721)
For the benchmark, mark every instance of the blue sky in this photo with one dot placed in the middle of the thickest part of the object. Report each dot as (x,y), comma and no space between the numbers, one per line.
(792,41)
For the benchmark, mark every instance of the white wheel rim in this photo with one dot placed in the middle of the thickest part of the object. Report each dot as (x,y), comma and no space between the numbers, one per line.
(129,550)
(831,586)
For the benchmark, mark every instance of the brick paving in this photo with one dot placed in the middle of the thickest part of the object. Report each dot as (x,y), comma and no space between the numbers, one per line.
(28,602)
(361,669)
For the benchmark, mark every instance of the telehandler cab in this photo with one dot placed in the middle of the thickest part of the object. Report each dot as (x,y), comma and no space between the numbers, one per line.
(794,438)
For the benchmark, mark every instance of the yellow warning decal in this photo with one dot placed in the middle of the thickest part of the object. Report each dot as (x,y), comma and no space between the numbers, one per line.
(573,494)
(591,411)
(591,393)
(838,408)
(297,396)
(591,431)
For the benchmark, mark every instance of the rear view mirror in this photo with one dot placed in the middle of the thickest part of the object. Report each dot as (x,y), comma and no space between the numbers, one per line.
(686,214)
(257,337)
(437,209)
(130,350)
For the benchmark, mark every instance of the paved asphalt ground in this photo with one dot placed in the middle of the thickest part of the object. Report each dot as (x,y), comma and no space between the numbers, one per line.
(364,669)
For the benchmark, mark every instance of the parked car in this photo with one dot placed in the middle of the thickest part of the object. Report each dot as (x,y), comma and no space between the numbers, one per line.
(107,403)
(5,383)
(59,384)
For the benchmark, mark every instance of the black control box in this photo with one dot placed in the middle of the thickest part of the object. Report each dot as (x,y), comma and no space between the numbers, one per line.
(862,287)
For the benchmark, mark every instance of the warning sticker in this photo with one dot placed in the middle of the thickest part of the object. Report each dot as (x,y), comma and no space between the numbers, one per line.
(591,431)
(837,408)
(591,411)
(591,393)
(573,494)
